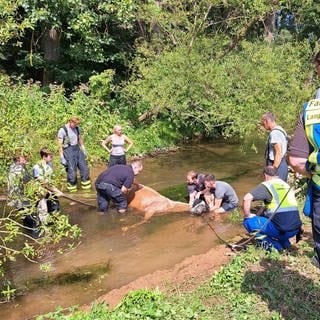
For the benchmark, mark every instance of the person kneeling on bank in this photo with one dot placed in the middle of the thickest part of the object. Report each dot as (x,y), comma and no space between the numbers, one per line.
(281,220)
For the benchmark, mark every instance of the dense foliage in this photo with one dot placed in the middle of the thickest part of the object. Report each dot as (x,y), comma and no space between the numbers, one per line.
(162,70)
(67,40)
(195,92)
(31,117)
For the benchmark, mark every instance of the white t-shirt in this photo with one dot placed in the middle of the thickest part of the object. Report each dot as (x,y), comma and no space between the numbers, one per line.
(277,135)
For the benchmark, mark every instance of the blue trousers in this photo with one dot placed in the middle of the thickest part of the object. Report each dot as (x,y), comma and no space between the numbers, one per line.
(272,236)
(107,192)
(313,206)
(75,160)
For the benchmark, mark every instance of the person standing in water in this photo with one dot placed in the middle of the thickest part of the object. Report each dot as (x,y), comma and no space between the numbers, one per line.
(117,150)
(276,148)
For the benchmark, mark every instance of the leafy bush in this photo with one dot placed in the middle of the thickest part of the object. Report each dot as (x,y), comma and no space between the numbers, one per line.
(196,91)
(31,117)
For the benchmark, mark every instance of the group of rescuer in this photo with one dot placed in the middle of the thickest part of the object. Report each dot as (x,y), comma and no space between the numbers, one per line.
(280,220)
(272,227)
(112,184)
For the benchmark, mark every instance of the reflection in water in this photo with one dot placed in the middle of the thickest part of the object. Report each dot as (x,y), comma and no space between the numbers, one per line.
(160,244)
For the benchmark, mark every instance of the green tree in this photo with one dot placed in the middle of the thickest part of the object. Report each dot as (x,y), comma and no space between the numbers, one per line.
(196,93)
(68,40)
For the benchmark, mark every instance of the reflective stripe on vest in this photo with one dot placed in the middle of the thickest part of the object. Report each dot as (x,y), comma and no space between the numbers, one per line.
(311,118)
(46,171)
(279,191)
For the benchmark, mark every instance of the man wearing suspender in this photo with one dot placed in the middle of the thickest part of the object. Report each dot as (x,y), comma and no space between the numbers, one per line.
(276,147)
(73,155)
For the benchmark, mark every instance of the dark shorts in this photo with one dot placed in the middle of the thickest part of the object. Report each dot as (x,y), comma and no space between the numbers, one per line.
(117,160)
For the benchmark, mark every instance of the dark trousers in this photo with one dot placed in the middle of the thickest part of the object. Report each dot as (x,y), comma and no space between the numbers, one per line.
(75,159)
(117,160)
(52,203)
(315,217)
(107,192)
(282,169)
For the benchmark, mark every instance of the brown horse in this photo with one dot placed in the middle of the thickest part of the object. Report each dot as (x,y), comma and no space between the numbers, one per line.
(150,202)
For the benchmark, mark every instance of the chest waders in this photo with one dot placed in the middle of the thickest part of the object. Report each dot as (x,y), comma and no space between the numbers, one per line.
(75,160)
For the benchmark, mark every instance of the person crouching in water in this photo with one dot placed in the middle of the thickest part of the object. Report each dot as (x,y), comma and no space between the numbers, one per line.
(42,172)
(225,198)
(114,183)
(281,221)
(17,177)
(199,198)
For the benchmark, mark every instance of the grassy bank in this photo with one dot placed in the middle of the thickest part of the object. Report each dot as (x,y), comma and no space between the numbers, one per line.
(255,285)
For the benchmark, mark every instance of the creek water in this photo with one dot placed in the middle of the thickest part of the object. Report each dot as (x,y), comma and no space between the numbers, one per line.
(108,258)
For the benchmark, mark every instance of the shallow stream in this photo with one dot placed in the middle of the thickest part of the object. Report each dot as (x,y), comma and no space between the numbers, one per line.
(107,258)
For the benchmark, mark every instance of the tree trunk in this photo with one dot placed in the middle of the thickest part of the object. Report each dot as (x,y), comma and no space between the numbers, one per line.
(51,48)
(269,26)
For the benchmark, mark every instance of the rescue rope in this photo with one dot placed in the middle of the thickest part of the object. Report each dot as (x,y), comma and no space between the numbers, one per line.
(63,195)
(231,246)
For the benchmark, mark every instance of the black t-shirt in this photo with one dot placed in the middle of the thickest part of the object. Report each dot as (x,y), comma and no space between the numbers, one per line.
(197,186)
(118,175)
(261,193)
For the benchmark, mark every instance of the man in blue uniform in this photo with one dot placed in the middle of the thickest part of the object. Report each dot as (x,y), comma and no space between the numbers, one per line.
(281,221)
(304,158)
(114,183)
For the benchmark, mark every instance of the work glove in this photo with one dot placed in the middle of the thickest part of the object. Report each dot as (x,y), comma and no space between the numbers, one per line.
(84,152)
(63,161)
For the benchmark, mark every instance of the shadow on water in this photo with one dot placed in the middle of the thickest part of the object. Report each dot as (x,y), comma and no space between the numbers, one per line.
(76,277)
(274,289)
(81,274)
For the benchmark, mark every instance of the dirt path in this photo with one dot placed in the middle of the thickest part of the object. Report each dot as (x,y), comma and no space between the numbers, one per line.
(186,275)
